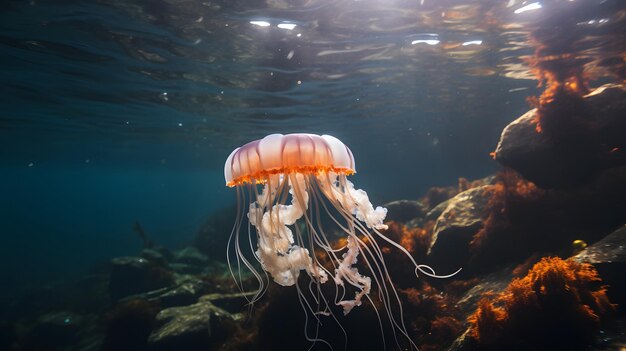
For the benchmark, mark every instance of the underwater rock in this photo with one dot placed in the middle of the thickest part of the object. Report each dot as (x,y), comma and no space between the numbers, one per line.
(611,338)
(493,283)
(436,211)
(463,185)
(184,291)
(189,261)
(404,210)
(133,275)
(521,220)
(60,328)
(191,256)
(129,324)
(183,268)
(611,249)
(456,226)
(609,257)
(54,331)
(154,256)
(585,143)
(193,327)
(490,284)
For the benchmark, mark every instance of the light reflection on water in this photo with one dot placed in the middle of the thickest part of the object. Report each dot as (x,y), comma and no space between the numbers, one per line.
(188,72)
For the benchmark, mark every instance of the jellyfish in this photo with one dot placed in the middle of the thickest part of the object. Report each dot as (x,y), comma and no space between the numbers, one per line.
(286,183)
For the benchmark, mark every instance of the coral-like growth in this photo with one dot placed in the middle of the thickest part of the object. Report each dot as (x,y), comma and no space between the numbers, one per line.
(558,304)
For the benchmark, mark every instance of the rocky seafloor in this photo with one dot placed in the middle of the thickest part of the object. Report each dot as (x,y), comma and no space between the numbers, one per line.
(542,244)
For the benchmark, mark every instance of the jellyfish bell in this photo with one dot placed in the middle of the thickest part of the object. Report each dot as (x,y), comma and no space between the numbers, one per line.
(283,179)
(287,154)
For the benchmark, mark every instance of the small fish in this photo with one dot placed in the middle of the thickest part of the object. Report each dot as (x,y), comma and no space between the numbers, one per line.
(579,245)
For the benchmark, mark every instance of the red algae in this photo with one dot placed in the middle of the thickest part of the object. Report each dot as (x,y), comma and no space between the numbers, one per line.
(521,219)
(416,240)
(436,319)
(517,212)
(559,66)
(509,190)
(487,322)
(445,328)
(558,303)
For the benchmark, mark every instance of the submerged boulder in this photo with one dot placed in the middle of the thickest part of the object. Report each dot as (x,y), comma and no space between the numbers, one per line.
(436,211)
(154,256)
(191,256)
(134,275)
(611,249)
(195,326)
(56,329)
(404,210)
(456,226)
(184,291)
(580,138)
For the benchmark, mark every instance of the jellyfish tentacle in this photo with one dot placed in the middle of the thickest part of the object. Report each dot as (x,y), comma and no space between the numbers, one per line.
(240,258)
(331,185)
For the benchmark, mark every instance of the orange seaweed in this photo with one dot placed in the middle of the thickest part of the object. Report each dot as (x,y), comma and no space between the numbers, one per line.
(416,240)
(562,74)
(487,322)
(445,328)
(557,298)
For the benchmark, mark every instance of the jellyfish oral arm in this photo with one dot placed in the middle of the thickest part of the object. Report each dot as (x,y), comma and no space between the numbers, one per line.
(355,201)
(277,251)
(283,259)
(346,271)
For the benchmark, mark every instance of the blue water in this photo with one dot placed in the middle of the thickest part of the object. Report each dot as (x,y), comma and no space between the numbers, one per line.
(116,112)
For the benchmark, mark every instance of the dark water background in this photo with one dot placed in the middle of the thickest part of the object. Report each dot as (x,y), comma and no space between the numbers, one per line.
(117,111)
